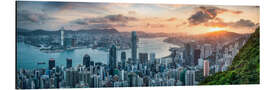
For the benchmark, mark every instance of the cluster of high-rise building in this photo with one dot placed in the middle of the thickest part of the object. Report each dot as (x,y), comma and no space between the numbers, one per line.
(184,66)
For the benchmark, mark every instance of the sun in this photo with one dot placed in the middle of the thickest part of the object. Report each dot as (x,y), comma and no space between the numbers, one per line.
(216,29)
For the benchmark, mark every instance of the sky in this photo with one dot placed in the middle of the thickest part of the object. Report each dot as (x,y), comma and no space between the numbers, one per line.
(126,17)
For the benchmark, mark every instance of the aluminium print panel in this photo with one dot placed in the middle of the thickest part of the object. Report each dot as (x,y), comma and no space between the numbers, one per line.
(98,45)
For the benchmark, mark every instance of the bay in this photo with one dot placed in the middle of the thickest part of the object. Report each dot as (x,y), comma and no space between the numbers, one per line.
(28,56)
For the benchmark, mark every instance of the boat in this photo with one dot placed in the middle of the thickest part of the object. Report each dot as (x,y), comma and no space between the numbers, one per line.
(41,63)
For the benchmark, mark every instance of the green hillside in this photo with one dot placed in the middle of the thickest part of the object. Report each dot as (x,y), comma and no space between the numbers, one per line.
(245,68)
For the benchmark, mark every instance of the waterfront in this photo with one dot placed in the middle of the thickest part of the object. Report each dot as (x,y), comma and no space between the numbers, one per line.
(28,56)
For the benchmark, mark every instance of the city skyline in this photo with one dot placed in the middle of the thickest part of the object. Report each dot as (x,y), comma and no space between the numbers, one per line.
(179,68)
(96,45)
(126,17)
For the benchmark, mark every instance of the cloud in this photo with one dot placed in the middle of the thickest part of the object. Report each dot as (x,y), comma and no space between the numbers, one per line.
(62,5)
(31,17)
(172,19)
(109,21)
(183,24)
(217,22)
(198,18)
(149,25)
(170,6)
(119,18)
(207,13)
(242,23)
(34,20)
(79,7)
(132,12)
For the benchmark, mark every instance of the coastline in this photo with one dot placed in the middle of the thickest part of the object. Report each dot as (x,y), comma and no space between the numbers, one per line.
(168,40)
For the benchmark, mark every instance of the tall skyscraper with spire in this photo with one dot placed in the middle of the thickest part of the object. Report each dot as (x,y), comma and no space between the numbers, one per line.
(112,59)
(134,47)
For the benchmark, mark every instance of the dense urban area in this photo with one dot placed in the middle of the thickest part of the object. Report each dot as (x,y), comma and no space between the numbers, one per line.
(199,57)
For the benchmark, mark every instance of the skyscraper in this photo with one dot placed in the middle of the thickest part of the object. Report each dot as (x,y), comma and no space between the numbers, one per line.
(73,42)
(72,77)
(51,63)
(92,63)
(134,47)
(57,77)
(197,53)
(86,60)
(189,77)
(217,68)
(207,50)
(152,57)
(205,68)
(202,51)
(67,42)
(132,77)
(62,36)
(112,59)
(152,61)
(123,59)
(143,57)
(200,62)
(189,54)
(69,63)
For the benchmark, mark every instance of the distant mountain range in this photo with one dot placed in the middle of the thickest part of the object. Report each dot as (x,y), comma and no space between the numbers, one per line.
(21,31)
(245,68)
(217,36)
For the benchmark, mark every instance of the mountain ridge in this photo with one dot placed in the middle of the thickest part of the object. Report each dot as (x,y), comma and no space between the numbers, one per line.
(21,31)
(219,33)
(245,68)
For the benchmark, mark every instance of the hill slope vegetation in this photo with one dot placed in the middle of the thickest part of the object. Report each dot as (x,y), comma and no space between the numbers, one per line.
(245,68)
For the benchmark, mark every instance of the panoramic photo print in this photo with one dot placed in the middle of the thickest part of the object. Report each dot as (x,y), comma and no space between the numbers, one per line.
(99,45)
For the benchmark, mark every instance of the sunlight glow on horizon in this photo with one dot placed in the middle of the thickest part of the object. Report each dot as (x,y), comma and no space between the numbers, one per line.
(216,29)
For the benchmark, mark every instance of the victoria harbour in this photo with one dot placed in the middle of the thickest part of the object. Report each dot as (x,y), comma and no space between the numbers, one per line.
(28,56)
